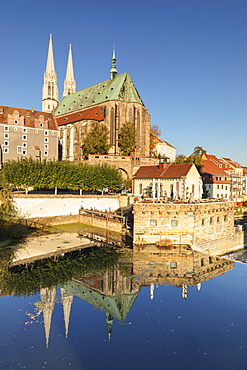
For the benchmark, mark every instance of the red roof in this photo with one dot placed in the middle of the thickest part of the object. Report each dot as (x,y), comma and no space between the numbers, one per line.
(29,116)
(212,168)
(90,113)
(170,171)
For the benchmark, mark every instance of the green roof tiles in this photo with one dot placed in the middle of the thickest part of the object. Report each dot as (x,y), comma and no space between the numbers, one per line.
(120,88)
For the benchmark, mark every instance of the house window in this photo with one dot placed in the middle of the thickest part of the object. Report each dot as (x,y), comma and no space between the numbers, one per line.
(46,133)
(24,152)
(16,121)
(6,136)
(203,221)
(46,139)
(140,189)
(225,218)
(24,137)
(52,133)
(46,146)
(218,195)
(153,222)
(226,187)
(222,186)
(173,265)
(218,186)
(41,124)
(19,149)
(6,128)
(6,150)
(24,145)
(218,219)
(174,222)
(225,195)
(15,129)
(24,129)
(36,131)
(46,153)
(211,220)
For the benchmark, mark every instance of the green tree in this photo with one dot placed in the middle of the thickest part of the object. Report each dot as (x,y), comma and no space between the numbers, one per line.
(127,138)
(198,151)
(96,141)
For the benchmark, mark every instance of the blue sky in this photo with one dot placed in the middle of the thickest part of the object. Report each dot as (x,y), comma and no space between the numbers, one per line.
(187,59)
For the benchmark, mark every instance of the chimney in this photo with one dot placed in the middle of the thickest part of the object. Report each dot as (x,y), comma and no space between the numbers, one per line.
(163,162)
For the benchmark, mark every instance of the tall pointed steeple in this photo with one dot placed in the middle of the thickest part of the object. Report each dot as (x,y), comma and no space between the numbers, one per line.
(50,88)
(69,82)
(113,71)
(67,299)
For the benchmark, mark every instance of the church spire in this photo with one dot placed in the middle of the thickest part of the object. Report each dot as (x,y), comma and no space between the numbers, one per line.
(113,71)
(50,89)
(69,82)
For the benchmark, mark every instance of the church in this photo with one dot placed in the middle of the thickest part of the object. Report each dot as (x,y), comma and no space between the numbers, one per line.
(112,102)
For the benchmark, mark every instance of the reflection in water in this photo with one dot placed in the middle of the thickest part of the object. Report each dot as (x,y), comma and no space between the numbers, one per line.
(108,279)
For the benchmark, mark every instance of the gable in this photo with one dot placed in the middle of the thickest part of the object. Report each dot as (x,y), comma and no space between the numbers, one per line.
(121,88)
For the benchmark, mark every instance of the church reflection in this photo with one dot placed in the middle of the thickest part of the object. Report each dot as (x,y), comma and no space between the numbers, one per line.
(115,289)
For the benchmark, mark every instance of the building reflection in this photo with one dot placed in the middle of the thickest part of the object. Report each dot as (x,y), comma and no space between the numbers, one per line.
(115,290)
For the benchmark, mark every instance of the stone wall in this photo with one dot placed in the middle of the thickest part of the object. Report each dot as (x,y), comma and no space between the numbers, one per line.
(199,225)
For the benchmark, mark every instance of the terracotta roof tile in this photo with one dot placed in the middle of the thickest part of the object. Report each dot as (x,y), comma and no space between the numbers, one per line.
(171,171)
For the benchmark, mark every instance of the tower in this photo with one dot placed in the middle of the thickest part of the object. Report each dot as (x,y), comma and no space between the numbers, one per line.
(50,89)
(113,71)
(69,82)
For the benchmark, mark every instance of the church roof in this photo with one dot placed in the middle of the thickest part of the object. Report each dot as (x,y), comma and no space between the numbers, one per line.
(121,88)
(118,306)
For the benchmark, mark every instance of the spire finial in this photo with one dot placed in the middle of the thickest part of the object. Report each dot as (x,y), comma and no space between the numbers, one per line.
(113,71)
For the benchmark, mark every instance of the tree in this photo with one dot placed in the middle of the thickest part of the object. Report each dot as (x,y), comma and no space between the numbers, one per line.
(127,138)
(155,133)
(198,151)
(154,129)
(96,141)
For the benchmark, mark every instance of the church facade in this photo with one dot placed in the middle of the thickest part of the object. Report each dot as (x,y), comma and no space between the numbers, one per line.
(112,102)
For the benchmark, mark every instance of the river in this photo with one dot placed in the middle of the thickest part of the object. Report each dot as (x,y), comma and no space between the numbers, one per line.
(104,308)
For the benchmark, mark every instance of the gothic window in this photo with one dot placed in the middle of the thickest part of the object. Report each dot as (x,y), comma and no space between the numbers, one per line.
(112,127)
(49,89)
(138,128)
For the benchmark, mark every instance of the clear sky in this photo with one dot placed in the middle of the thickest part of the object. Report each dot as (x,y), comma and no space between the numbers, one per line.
(187,59)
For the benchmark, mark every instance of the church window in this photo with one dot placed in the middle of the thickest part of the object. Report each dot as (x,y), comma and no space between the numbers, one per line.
(6,136)
(49,90)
